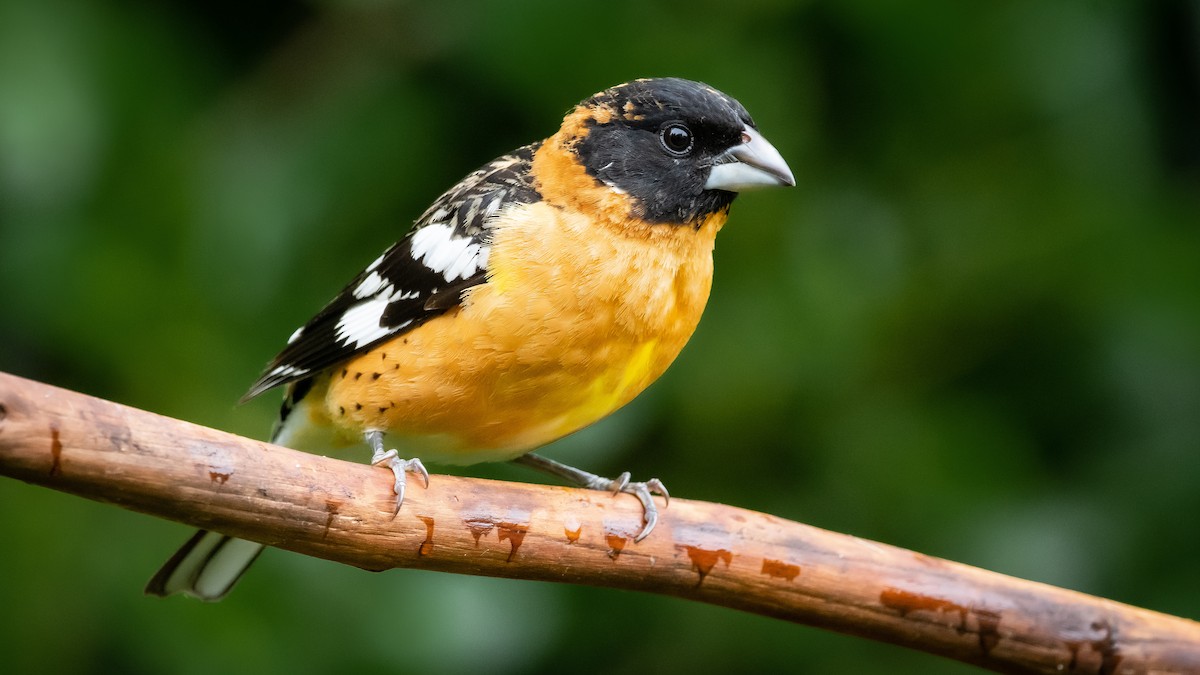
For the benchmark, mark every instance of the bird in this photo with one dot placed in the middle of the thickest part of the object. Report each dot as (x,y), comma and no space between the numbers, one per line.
(536,296)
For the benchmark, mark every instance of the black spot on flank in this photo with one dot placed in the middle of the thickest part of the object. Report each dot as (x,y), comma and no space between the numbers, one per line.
(341,410)
(358,406)
(357,375)
(344,371)
(375,376)
(383,356)
(382,408)
(405,340)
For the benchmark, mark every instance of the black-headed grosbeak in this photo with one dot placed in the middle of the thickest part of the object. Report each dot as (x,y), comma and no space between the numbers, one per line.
(535,297)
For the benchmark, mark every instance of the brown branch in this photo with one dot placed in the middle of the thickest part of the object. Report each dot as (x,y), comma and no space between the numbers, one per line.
(342,511)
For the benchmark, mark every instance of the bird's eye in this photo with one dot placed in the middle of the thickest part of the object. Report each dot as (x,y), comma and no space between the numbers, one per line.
(676,139)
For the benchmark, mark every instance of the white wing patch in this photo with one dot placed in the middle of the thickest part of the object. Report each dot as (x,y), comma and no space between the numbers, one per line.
(369,286)
(437,247)
(362,324)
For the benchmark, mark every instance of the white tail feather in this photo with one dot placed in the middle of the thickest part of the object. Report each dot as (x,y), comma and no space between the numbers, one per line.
(206,567)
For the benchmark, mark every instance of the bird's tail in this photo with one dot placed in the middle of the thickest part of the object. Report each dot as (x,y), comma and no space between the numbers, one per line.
(210,563)
(206,567)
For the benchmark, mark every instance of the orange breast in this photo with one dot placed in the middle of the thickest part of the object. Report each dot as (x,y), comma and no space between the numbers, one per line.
(574,321)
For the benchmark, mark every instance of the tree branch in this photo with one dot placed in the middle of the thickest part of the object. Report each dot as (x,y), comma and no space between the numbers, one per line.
(342,511)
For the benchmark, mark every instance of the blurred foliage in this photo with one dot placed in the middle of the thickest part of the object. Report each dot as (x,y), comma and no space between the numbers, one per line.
(973,329)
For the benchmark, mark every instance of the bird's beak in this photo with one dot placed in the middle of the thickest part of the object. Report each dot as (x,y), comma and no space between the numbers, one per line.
(753,163)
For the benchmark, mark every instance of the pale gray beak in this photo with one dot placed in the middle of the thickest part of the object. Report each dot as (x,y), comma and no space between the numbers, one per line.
(754,163)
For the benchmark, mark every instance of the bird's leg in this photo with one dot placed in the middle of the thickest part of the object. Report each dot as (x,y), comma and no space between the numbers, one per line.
(399,467)
(642,491)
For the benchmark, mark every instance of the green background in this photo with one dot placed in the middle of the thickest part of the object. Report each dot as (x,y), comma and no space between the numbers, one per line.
(973,328)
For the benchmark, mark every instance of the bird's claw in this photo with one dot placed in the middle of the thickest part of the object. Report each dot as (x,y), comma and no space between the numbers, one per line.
(619,483)
(643,491)
(400,469)
(656,487)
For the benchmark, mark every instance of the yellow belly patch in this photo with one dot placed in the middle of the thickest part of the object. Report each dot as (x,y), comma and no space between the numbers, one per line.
(615,388)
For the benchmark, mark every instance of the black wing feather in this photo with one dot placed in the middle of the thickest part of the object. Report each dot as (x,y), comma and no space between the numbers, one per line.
(406,287)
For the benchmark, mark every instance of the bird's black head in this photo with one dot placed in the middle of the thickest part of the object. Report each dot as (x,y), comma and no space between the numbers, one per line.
(680,150)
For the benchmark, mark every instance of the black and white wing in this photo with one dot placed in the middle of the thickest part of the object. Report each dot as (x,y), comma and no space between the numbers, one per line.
(418,278)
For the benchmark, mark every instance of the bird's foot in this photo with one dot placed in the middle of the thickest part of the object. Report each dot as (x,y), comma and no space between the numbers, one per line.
(644,491)
(400,467)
